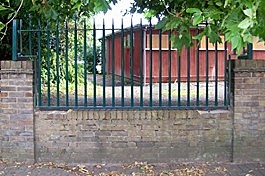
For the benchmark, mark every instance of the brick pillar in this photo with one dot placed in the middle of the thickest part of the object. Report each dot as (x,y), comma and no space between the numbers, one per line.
(249,110)
(16,111)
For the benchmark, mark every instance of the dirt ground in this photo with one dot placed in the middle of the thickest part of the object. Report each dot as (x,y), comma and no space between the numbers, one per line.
(133,169)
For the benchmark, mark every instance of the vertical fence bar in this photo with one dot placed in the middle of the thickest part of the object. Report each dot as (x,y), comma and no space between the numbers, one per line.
(48,63)
(14,40)
(179,79)
(216,75)
(122,64)
(160,67)
(197,70)
(151,63)
(66,65)
(113,62)
(20,38)
(39,66)
(57,66)
(104,63)
(229,80)
(94,64)
(76,66)
(207,71)
(132,62)
(225,74)
(188,76)
(141,62)
(30,36)
(169,69)
(85,64)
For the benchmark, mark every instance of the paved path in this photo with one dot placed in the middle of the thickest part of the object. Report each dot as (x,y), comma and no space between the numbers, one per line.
(136,169)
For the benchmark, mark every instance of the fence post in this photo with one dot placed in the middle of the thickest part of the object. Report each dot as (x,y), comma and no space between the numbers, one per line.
(16,111)
(14,40)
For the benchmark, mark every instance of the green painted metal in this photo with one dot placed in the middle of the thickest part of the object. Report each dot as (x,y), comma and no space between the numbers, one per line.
(94,65)
(207,71)
(57,66)
(169,69)
(225,74)
(188,76)
(197,69)
(179,80)
(75,65)
(250,50)
(141,62)
(66,65)
(30,37)
(216,75)
(39,65)
(150,64)
(104,64)
(20,38)
(85,63)
(229,80)
(48,57)
(14,40)
(122,64)
(160,68)
(113,63)
(132,63)
(68,45)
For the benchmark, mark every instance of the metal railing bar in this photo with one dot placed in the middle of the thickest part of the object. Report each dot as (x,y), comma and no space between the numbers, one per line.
(216,74)
(57,67)
(39,67)
(207,70)
(103,64)
(48,38)
(188,76)
(169,69)
(160,67)
(229,81)
(225,75)
(75,66)
(20,37)
(141,62)
(14,40)
(197,70)
(150,65)
(66,65)
(113,63)
(132,62)
(179,79)
(94,65)
(122,64)
(30,37)
(135,107)
(85,63)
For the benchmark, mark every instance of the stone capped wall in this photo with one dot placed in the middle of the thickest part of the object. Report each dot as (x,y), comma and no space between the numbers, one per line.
(128,136)
(249,110)
(237,134)
(16,111)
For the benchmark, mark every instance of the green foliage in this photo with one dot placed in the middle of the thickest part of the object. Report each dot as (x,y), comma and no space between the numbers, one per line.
(238,20)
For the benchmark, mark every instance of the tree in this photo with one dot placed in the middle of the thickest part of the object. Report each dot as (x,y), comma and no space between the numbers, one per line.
(238,20)
(45,10)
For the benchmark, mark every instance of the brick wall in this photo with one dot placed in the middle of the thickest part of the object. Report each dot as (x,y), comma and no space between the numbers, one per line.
(16,111)
(249,110)
(116,136)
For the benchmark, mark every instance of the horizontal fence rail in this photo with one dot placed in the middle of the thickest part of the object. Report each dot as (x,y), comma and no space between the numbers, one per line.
(80,64)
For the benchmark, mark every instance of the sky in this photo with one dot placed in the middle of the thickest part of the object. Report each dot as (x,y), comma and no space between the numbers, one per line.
(116,13)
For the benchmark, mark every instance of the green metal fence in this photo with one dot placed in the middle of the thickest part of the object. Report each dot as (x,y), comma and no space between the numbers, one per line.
(81,65)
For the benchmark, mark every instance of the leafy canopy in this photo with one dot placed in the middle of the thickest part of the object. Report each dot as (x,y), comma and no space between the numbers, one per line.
(48,9)
(238,20)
